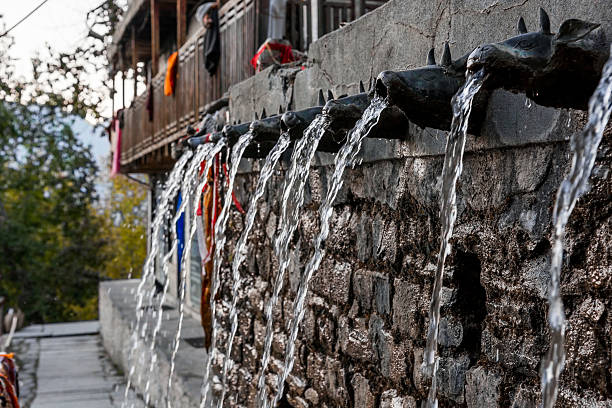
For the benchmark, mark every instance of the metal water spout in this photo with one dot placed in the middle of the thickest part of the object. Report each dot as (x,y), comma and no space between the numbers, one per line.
(559,70)
(343,114)
(424,94)
(296,122)
(266,130)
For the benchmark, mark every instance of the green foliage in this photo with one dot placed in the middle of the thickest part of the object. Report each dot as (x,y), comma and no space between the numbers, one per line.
(56,240)
(125,214)
(50,241)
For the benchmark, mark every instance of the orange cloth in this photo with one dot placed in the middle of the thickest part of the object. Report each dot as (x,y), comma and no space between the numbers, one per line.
(208,217)
(171,72)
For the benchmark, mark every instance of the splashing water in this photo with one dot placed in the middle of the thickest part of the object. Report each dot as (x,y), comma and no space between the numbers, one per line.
(453,165)
(220,238)
(345,157)
(208,154)
(241,248)
(584,147)
(291,204)
(170,190)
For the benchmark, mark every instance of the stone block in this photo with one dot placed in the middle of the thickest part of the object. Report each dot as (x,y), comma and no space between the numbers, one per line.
(451,377)
(407,309)
(354,339)
(332,280)
(362,393)
(390,399)
(372,292)
(482,388)
(450,332)
(312,396)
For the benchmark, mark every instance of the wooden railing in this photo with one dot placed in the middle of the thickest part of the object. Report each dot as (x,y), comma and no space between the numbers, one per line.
(145,143)
(194,86)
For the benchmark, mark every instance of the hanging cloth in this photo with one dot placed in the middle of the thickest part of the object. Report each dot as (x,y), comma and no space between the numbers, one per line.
(9,382)
(171,72)
(150,102)
(212,40)
(180,234)
(149,105)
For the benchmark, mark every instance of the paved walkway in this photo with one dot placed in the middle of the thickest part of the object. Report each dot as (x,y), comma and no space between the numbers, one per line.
(64,365)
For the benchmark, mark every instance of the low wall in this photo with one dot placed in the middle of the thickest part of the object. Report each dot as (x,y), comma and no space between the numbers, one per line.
(117,305)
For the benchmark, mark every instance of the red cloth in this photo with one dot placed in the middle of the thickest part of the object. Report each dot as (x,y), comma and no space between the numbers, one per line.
(236,202)
(285,50)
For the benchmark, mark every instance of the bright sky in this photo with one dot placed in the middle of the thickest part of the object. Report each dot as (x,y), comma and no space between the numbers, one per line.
(60,23)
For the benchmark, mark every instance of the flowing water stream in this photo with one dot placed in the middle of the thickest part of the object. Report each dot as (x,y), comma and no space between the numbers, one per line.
(584,149)
(453,164)
(345,157)
(187,186)
(170,189)
(291,204)
(220,238)
(190,186)
(241,248)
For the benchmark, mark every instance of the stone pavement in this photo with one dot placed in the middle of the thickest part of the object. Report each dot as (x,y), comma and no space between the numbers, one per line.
(64,365)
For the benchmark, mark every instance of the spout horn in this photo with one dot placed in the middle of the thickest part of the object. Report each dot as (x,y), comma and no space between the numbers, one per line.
(446,57)
(521,26)
(361,87)
(431,58)
(544,22)
(321,98)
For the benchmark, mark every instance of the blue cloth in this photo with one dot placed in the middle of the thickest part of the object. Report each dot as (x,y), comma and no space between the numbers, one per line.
(180,234)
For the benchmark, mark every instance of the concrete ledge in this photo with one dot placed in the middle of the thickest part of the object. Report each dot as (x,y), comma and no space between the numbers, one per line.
(117,314)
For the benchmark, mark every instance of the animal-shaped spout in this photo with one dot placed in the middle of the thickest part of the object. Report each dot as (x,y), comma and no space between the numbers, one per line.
(558,70)
(296,122)
(424,94)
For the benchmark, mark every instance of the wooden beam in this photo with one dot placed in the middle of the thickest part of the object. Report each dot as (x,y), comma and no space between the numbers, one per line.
(181,22)
(154,35)
(134,62)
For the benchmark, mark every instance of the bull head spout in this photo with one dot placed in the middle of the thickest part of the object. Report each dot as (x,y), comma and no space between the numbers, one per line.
(558,70)
(424,94)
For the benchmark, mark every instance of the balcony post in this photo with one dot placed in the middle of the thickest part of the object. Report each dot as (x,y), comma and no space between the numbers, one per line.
(316,12)
(154,36)
(359,7)
(134,63)
(181,22)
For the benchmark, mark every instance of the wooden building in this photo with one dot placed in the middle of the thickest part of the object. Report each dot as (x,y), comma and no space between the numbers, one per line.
(151,30)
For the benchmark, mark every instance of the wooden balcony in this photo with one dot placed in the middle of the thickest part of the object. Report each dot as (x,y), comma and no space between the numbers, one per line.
(146,143)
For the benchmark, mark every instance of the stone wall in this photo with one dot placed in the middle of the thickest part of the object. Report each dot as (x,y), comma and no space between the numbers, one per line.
(362,339)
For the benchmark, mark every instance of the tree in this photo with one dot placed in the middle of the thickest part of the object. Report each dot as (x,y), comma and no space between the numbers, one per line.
(53,244)
(50,241)
(125,215)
